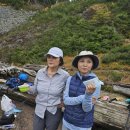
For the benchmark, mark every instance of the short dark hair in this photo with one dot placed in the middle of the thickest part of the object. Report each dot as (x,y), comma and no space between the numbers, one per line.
(61,61)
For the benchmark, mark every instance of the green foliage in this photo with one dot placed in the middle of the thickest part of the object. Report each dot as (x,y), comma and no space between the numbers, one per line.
(115,76)
(121,16)
(65,26)
(16,3)
(119,54)
(108,58)
(22,57)
(21,3)
(107,88)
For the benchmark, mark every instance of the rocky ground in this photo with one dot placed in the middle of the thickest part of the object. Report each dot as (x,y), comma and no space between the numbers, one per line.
(10,18)
(24,120)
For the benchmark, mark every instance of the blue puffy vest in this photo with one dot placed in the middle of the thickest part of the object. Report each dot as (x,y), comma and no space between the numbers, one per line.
(74,114)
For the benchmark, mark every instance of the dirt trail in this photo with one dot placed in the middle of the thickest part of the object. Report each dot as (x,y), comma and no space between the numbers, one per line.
(24,120)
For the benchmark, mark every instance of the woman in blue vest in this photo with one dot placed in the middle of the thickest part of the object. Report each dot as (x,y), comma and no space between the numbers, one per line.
(82,90)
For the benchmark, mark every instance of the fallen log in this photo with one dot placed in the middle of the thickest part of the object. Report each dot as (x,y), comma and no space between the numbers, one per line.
(119,89)
(111,114)
(18,96)
(6,70)
(118,84)
(33,67)
(30,72)
(2,81)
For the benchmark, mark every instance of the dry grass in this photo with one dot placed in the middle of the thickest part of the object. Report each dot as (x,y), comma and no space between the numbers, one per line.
(68,61)
(113,72)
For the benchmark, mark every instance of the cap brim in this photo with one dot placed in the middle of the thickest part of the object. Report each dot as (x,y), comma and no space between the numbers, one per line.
(52,54)
(93,57)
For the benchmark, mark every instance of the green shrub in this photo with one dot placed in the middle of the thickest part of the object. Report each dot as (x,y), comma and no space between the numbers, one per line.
(64,26)
(115,76)
(107,88)
(118,54)
(16,3)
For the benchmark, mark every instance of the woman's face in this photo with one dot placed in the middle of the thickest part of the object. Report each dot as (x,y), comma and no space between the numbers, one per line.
(52,61)
(85,65)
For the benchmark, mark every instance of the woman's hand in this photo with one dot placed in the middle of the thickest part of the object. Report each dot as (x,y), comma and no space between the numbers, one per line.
(61,105)
(90,88)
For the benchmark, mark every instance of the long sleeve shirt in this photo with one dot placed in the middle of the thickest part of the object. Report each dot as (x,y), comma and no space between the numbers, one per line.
(49,90)
(85,100)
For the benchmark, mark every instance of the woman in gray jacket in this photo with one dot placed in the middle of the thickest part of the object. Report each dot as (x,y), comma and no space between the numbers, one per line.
(49,85)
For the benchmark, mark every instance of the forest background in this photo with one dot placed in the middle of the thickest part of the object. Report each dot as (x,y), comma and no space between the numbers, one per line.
(101,26)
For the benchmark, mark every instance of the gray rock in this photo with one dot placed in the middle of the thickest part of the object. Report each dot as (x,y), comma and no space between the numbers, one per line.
(10,18)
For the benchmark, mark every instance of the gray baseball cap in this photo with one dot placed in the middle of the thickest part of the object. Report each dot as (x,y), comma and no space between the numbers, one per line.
(56,52)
